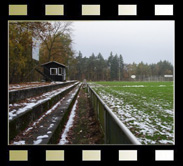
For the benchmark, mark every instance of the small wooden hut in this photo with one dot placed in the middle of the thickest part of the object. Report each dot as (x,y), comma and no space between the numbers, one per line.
(55,71)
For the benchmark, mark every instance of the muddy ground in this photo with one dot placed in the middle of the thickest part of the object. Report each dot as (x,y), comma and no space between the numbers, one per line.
(86,128)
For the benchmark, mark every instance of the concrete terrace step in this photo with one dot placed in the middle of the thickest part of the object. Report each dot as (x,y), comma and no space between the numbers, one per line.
(21,94)
(47,129)
(21,118)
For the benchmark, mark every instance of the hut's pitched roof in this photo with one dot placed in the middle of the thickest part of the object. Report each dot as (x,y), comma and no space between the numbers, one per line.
(53,62)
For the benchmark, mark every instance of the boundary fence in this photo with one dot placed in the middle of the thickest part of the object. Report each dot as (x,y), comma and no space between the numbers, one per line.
(115,132)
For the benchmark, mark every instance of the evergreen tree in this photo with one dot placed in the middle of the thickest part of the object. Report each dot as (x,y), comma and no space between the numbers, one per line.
(121,66)
(110,64)
(115,67)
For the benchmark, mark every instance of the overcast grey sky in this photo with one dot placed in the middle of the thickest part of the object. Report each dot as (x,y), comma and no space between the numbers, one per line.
(136,41)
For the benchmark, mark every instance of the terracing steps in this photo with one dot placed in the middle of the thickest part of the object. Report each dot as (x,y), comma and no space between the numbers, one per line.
(47,129)
(32,90)
(21,119)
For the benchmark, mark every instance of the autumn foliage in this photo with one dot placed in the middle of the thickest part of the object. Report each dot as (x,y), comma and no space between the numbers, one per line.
(56,45)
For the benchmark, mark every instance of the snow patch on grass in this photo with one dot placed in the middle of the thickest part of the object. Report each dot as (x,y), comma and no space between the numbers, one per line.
(150,119)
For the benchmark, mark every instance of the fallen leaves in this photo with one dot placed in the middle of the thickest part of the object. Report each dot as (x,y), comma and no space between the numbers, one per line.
(86,128)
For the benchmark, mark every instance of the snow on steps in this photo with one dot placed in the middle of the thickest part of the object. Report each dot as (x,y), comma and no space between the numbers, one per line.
(16,95)
(23,118)
(47,129)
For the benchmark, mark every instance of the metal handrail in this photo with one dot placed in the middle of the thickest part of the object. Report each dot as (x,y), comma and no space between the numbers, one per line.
(132,139)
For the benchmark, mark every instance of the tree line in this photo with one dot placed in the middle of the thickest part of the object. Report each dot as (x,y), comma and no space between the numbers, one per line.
(96,68)
(56,41)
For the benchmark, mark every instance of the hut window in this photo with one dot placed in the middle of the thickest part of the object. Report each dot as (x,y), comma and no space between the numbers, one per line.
(53,71)
(59,71)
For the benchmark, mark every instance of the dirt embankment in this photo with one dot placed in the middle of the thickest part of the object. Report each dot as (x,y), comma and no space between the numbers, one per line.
(86,128)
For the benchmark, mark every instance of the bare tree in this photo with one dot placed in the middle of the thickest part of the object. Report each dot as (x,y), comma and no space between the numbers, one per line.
(54,31)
